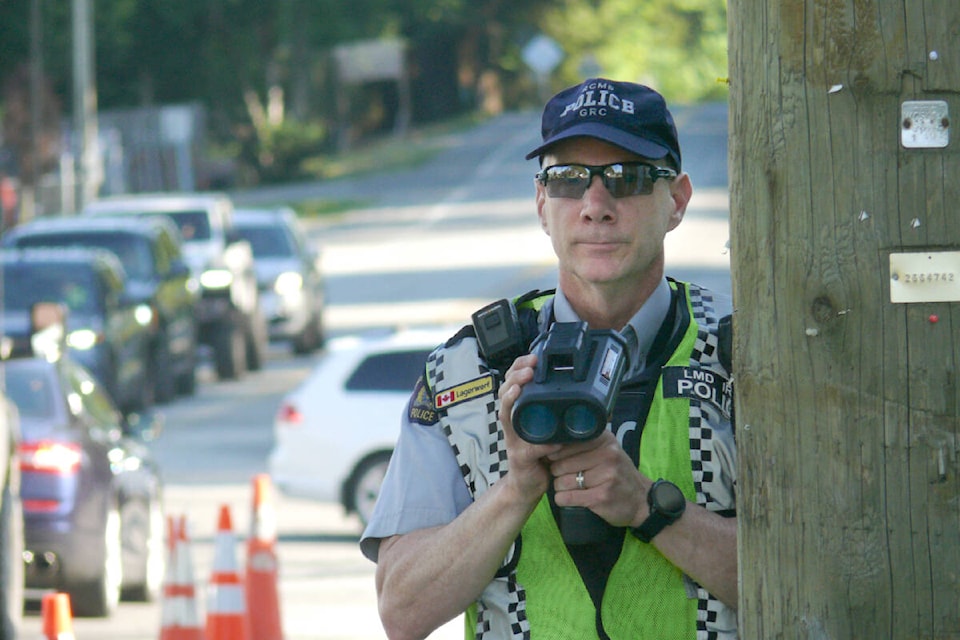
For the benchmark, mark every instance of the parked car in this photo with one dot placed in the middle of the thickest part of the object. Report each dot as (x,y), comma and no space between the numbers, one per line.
(231,323)
(335,432)
(92,494)
(105,331)
(157,277)
(288,274)
(11,523)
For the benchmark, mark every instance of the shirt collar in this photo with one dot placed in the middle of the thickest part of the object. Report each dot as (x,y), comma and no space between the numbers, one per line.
(645,323)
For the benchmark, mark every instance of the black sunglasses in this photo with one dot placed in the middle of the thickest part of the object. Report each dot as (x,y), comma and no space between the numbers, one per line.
(622,179)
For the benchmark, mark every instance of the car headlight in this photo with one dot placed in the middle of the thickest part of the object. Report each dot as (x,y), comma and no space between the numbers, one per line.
(288,282)
(144,314)
(216,279)
(82,339)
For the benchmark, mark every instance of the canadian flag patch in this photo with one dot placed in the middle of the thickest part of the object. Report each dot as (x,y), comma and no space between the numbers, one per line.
(463,392)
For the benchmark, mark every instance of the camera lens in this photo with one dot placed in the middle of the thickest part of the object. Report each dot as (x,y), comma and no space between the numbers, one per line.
(580,421)
(536,423)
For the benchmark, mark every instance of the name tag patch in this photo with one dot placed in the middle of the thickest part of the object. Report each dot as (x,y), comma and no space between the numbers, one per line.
(698,384)
(463,392)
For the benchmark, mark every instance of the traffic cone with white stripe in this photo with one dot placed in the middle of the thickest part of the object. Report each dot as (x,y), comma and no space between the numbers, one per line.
(226,606)
(180,618)
(169,605)
(263,598)
(57,617)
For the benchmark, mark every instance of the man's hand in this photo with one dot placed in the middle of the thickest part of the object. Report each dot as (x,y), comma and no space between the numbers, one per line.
(529,467)
(613,488)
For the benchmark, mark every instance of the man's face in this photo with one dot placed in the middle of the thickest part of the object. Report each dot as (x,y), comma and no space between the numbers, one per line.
(601,240)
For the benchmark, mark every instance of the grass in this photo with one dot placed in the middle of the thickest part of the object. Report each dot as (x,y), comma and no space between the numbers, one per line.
(411,149)
(414,147)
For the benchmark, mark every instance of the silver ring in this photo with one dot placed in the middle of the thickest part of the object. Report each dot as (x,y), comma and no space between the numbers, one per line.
(580,484)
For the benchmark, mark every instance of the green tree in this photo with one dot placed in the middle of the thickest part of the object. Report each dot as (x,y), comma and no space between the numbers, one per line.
(262,66)
(679,47)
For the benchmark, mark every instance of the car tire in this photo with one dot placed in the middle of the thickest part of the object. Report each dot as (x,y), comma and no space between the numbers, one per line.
(310,339)
(143,550)
(111,382)
(99,597)
(187,381)
(164,385)
(11,569)
(230,350)
(257,341)
(365,485)
(146,394)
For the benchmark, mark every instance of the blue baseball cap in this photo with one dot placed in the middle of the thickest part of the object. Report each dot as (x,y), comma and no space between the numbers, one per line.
(628,115)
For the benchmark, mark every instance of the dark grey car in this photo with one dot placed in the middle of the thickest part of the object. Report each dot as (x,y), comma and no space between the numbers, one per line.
(157,277)
(105,331)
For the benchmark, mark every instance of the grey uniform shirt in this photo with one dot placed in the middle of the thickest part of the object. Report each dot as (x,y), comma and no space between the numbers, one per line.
(424,486)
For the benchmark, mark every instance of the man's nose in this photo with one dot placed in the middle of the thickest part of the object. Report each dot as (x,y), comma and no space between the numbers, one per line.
(596,201)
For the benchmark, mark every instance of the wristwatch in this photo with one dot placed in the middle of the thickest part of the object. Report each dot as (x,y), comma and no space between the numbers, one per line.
(666,503)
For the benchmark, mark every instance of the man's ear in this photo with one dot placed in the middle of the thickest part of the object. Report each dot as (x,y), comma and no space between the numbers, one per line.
(541,200)
(681,190)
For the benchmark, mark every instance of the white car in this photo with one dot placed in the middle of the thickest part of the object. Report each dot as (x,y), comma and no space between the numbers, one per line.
(335,432)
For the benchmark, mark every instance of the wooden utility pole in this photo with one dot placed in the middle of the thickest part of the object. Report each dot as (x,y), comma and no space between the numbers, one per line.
(845,201)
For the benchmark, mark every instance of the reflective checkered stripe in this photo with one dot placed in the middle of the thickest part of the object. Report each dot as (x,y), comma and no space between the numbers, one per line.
(712,449)
(450,367)
(478,443)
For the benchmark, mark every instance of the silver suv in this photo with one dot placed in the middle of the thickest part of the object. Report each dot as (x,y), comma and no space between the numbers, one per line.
(229,316)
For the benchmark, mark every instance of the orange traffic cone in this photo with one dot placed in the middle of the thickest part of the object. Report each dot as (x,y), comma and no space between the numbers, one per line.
(263,598)
(169,603)
(57,617)
(226,606)
(180,618)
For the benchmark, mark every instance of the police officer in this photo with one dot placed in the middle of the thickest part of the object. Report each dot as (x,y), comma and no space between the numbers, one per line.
(470,516)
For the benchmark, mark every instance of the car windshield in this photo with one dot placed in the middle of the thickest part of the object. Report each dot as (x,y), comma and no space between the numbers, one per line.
(27,284)
(393,371)
(132,250)
(194,225)
(267,241)
(31,392)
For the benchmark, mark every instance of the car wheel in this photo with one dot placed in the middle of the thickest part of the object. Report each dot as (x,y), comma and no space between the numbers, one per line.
(187,378)
(365,487)
(143,551)
(310,339)
(99,597)
(147,393)
(187,382)
(11,569)
(256,342)
(230,350)
(163,382)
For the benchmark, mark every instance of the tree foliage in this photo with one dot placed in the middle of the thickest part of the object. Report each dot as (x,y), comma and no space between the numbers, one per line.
(462,54)
(678,47)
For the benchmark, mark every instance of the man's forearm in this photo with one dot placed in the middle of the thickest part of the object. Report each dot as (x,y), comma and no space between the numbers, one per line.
(704,546)
(427,577)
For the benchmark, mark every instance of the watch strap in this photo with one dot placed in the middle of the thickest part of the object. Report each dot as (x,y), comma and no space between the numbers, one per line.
(654,524)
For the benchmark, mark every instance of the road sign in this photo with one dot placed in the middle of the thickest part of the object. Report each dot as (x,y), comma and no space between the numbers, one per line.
(542,54)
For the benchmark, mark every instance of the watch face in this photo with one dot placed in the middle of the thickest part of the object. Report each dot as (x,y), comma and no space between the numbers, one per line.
(669,499)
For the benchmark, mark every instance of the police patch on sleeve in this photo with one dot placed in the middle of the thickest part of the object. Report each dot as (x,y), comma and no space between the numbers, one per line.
(695,383)
(420,408)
